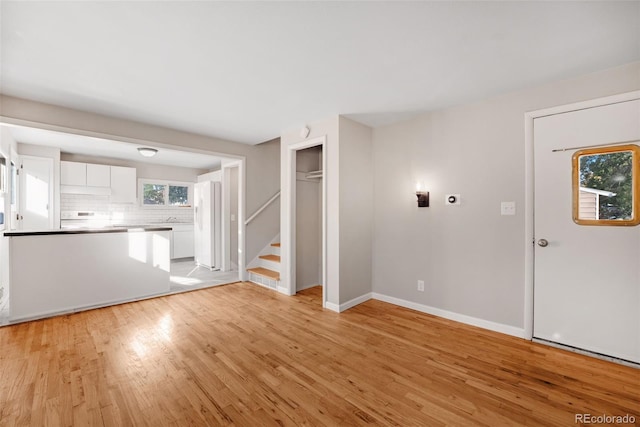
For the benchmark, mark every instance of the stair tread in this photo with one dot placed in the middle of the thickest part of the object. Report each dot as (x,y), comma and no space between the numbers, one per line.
(275,245)
(265,272)
(274,258)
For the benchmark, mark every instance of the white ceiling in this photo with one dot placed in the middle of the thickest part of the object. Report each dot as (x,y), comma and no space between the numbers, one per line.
(90,146)
(247,71)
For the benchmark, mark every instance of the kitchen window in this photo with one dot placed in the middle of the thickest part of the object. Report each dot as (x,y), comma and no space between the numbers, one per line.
(165,193)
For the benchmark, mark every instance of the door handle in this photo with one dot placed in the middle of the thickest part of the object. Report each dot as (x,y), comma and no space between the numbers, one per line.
(543,243)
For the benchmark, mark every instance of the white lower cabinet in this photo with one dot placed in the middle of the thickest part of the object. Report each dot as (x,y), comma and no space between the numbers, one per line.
(182,245)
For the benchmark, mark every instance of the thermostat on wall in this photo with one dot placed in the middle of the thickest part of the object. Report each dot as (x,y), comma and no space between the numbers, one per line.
(452,199)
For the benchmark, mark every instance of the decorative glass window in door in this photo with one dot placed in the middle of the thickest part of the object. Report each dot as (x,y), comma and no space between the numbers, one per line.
(605,186)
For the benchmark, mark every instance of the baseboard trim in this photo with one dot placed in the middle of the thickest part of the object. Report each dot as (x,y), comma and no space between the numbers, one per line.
(352,303)
(331,306)
(283,290)
(462,318)
(339,308)
(307,287)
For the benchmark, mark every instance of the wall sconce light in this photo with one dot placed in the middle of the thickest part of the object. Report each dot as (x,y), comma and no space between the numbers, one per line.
(423,196)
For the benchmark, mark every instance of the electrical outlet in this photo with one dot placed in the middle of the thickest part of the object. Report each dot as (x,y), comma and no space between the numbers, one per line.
(421,285)
(507,208)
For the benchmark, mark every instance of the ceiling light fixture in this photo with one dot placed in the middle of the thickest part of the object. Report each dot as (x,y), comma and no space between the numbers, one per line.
(147,152)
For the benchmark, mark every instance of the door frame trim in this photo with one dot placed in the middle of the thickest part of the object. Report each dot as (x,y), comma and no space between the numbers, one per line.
(52,187)
(226,216)
(288,209)
(529,118)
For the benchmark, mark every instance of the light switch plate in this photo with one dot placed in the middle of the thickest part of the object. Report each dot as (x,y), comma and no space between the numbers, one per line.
(507,208)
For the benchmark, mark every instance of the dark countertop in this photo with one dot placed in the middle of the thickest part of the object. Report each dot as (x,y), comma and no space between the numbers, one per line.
(127,229)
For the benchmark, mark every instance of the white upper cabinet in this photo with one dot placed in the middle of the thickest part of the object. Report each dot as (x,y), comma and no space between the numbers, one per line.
(73,173)
(85,174)
(87,178)
(98,175)
(123,184)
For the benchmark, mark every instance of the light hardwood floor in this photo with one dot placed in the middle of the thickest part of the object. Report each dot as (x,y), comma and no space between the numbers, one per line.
(244,355)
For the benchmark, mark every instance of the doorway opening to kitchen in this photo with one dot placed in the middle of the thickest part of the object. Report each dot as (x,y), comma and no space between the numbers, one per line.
(217,231)
(101,183)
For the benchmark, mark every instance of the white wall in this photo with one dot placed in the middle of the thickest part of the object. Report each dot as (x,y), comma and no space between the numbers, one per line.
(470,257)
(124,213)
(262,161)
(211,176)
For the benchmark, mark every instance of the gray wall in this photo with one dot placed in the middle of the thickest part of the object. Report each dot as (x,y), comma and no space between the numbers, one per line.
(263,181)
(356,209)
(471,258)
(262,161)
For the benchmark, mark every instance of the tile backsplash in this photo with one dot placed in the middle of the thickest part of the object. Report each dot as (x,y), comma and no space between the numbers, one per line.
(120,213)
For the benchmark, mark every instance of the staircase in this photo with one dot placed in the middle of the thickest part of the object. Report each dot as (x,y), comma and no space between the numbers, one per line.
(265,270)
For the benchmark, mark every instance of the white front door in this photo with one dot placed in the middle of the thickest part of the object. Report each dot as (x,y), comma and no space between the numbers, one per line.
(36,210)
(586,277)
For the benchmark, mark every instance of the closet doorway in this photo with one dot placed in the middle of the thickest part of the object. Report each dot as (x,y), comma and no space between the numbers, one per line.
(311,258)
(309,208)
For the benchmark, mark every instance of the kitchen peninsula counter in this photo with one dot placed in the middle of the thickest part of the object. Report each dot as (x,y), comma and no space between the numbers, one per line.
(115,229)
(60,271)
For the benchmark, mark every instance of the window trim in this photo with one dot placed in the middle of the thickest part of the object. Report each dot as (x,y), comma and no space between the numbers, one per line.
(166,184)
(635,176)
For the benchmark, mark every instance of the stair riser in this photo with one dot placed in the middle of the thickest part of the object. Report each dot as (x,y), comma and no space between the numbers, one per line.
(275,266)
(270,257)
(275,250)
(263,281)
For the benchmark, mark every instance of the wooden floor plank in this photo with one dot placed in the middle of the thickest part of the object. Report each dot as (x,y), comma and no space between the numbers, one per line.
(244,355)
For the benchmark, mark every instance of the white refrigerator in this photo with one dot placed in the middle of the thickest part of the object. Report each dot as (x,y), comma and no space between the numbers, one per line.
(207,224)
